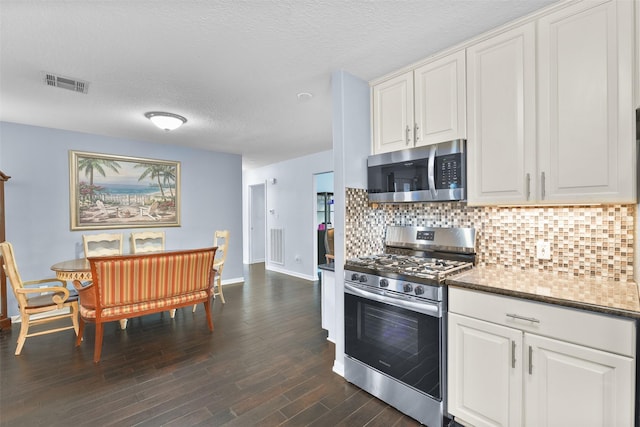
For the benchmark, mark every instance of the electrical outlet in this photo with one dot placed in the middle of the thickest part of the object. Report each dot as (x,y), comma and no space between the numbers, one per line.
(543,250)
(297,258)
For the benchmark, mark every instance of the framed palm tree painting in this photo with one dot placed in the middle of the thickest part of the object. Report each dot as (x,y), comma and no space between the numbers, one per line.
(108,191)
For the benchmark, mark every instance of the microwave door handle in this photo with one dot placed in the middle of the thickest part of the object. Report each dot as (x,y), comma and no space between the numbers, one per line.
(431,172)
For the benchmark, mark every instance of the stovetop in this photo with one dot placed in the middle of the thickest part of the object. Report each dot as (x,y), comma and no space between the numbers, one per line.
(407,267)
(415,263)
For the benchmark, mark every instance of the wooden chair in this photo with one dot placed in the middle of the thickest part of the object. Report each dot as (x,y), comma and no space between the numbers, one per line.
(329,245)
(147,241)
(221,241)
(38,300)
(102,244)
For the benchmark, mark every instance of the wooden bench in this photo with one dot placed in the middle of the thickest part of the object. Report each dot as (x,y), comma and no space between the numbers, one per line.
(126,286)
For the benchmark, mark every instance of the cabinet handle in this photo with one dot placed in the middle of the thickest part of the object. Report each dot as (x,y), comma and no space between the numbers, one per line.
(513,354)
(530,360)
(528,319)
(416,132)
(528,186)
(408,135)
(543,181)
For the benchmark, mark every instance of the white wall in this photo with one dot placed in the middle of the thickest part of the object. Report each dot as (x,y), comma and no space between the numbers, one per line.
(324,182)
(293,202)
(37,196)
(351,146)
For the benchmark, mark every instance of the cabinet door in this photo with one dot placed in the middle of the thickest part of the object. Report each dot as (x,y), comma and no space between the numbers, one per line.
(501,150)
(573,385)
(485,372)
(586,117)
(440,100)
(393,114)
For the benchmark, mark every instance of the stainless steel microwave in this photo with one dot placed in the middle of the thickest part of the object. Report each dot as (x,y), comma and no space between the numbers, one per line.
(434,173)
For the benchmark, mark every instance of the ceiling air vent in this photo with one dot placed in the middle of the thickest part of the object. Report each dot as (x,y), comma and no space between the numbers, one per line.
(66,83)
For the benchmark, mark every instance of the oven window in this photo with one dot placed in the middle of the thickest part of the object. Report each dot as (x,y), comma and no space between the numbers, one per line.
(398,332)
(398,342)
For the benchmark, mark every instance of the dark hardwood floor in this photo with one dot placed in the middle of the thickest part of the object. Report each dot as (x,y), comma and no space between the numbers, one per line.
(267,363)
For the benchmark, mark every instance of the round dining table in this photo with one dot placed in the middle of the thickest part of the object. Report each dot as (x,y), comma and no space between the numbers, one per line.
(74,269)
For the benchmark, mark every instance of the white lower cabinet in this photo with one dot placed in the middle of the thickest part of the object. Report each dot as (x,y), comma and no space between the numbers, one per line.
(509,375)
(568,384)
(485,379)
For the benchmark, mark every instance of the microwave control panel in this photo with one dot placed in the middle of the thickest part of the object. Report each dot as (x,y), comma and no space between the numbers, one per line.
(448,171)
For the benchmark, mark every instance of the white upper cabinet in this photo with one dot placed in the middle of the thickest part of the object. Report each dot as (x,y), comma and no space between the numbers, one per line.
(586,113)
(421,107)
(440,105)
(393,114)
(501,147)
(578,147)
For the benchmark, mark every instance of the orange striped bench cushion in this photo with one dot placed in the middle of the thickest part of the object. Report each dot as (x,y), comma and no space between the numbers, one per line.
(123,310)
(151,280)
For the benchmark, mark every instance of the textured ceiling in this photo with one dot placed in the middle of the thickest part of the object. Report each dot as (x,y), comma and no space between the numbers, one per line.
(231,67)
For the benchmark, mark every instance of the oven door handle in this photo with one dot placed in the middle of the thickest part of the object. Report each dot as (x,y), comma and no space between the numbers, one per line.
(425,307)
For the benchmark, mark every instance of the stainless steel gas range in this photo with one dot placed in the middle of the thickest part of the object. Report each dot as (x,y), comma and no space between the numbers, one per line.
(395,317)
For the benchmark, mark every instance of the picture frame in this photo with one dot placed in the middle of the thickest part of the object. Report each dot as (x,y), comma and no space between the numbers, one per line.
(111,191)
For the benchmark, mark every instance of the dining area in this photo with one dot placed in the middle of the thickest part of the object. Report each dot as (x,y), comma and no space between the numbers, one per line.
(108,285)
(267,359)
(103,244)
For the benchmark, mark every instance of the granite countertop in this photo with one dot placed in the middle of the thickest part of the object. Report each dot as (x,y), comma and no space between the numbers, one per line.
(598,295)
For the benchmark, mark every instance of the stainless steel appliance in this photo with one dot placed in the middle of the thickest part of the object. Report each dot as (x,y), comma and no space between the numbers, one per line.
(395,322)
(432,173)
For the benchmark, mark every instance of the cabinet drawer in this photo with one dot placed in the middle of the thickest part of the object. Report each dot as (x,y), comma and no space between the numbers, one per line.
(598,331)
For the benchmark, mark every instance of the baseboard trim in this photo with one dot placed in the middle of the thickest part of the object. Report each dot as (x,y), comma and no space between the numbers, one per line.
(234,280)
(338,368)
(292,273)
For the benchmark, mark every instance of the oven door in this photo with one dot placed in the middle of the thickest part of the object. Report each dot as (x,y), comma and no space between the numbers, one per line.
(397,341)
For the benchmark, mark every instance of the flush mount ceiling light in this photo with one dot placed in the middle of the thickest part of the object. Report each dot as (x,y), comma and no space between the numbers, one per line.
(165,121)
(304,96)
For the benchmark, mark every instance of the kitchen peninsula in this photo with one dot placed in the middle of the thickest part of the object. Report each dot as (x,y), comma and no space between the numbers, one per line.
(555,347)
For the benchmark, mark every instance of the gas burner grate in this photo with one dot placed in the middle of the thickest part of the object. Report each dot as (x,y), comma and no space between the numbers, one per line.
(433,269)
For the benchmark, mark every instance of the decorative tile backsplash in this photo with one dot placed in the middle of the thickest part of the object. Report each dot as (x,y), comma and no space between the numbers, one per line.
(586,241)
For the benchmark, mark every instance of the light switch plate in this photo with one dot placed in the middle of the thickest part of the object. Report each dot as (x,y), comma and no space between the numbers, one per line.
(543,249)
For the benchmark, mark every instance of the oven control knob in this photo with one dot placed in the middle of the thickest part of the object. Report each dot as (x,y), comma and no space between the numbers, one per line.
(354,277)
(407,287)
(363,278)
(384,283)
(419,290)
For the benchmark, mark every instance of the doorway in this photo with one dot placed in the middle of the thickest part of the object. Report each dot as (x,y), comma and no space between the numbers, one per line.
(257,224)
(324,211)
